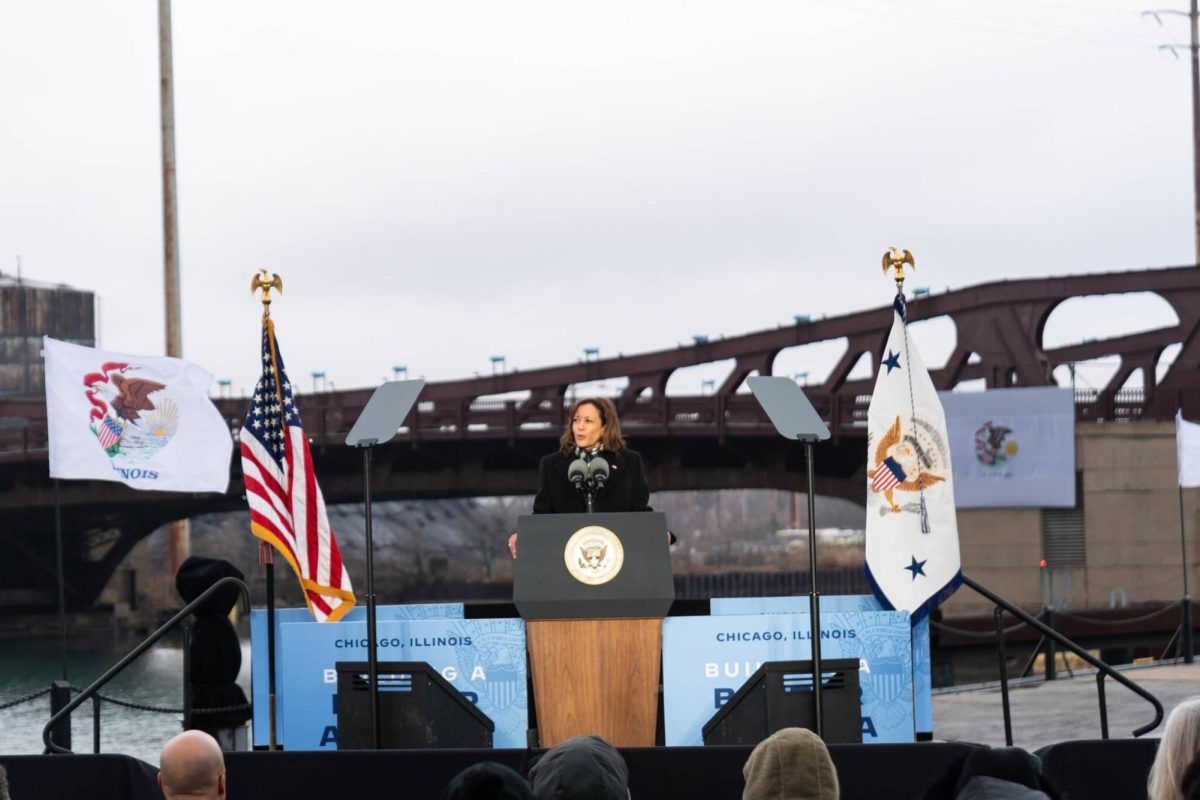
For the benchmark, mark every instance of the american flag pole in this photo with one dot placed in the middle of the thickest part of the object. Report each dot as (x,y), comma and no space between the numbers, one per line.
(266,557)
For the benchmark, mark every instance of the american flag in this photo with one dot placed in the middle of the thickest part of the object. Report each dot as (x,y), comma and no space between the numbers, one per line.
(286,506)
(887,475)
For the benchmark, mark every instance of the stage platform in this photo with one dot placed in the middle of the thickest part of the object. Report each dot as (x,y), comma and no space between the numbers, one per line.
(1084,769)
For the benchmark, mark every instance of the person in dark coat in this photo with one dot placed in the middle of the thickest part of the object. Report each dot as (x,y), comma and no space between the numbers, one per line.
(997,773)
(582,768)
(487,780)
(593,431)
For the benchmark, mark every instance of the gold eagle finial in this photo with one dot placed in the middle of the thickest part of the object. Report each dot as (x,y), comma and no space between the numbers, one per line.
(896,259)
(266,281)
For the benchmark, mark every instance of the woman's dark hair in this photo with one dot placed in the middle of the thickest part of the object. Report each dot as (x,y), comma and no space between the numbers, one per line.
(611,440)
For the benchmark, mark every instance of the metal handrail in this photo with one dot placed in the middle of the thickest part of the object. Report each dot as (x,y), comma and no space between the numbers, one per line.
(1104,670)
(94,688)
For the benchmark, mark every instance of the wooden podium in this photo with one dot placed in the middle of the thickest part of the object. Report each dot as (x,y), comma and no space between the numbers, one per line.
(593,589)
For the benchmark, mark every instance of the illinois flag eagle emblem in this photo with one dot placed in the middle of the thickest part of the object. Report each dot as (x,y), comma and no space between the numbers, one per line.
(913,559)
(145,421)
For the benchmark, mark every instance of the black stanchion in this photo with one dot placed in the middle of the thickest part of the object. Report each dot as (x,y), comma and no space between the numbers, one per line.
(1051,655)
(1002,657)
(60,696)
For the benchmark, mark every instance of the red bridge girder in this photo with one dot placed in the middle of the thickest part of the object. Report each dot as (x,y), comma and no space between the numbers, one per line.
(457,441)
(1000,323)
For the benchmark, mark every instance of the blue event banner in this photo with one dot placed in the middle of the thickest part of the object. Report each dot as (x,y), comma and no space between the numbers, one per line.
(259,686)
(922,669)
(706,660)
(482,658)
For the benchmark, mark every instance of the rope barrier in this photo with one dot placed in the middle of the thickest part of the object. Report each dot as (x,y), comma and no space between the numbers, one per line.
(129,704)
(1065,614)
(1117,622)
(25,699)
(941,626)
(138,706)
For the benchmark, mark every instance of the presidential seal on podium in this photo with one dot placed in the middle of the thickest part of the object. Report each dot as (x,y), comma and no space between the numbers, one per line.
(594,555)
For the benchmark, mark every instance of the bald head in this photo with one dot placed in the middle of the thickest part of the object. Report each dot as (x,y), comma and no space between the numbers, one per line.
(191,766)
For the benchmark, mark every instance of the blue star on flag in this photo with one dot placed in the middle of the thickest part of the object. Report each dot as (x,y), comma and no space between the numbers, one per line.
(891,362)
(917,567)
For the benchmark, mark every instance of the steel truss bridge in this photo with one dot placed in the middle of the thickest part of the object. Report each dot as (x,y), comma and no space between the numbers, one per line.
(462,441)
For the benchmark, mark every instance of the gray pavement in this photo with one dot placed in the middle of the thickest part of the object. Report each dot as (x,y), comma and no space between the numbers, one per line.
(1045,712)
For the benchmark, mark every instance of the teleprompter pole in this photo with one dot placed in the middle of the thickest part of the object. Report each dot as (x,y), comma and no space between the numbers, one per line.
(795,418)
(372,644)
(377,424)
(814,605)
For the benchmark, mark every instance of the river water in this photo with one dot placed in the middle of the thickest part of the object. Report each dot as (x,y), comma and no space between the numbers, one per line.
(155,679)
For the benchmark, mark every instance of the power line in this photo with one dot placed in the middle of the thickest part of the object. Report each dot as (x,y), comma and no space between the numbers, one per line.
(1012,26)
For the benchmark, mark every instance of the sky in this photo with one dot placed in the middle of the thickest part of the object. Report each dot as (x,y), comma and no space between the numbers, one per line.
(440,183)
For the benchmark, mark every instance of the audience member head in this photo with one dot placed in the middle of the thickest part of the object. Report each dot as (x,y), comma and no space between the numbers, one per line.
(192,766)
(988,770)
(487,781)
(1179,744)
(3,784)
(1189,784)
(790,764)
(583,768)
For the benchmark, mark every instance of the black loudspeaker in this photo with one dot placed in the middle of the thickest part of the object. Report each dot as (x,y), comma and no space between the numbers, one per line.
(418,708)
(779,695)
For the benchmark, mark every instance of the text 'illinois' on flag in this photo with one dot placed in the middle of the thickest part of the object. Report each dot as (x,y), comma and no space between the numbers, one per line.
(287,509)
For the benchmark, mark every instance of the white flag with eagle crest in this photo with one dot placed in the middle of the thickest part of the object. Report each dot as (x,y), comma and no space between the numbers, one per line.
(145,421)
(912,534)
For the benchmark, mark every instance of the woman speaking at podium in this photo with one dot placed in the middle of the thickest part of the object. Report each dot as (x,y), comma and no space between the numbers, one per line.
(593,431)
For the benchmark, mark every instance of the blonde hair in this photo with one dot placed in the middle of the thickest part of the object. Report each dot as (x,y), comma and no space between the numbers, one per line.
(1179,744)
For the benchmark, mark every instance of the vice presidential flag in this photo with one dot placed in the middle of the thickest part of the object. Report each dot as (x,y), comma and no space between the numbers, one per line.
(1187,445)
(145,421)
(912,534)
(287,509)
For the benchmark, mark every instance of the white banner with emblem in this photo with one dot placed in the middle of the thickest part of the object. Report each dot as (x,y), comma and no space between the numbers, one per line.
(1012,447)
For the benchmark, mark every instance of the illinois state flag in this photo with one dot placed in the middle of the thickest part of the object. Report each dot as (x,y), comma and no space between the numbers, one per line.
(145,421)
(912,534)
(287,509)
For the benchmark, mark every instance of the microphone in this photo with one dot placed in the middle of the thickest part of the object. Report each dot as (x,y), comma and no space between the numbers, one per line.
(577,472)
(598,472)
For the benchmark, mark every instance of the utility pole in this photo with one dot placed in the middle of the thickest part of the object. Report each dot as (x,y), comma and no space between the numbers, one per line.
(179,543)
(1195,60)
(1195,124)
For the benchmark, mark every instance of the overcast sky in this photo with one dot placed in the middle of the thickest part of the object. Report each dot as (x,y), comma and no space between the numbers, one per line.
(442,182)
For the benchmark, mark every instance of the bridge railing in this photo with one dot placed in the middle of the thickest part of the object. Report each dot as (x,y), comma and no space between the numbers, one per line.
(329,417)
(327,421)
(22,442)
